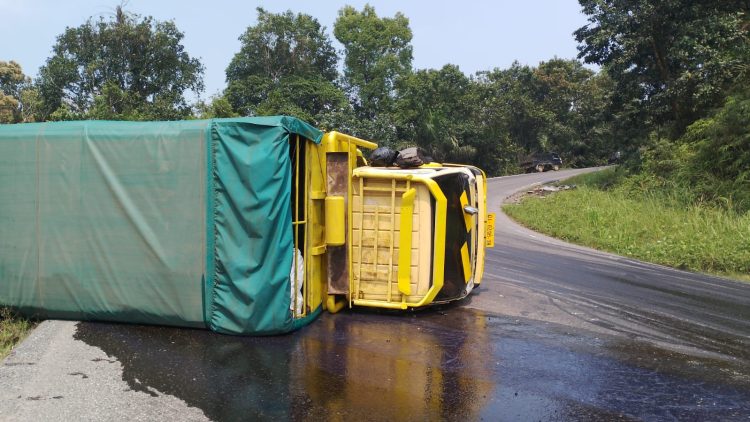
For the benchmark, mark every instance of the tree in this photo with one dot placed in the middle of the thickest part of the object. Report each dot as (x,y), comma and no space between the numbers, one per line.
(508,103)
(434,110)
(377,53)
(127,67)
(672,60)
(217,107)
(592,124)
(381,129)
(17,96)
(719,153)
(557,106)
(286,65)
(576,100)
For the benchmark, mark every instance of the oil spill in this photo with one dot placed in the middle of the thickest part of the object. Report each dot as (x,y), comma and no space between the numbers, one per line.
(452,363)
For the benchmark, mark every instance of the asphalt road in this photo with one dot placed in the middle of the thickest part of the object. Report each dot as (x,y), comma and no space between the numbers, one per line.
(555,332)
(550,280)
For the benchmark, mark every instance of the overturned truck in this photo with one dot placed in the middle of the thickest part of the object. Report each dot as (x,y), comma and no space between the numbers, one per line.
(241,225)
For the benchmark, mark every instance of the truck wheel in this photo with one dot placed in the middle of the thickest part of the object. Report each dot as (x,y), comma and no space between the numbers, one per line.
(555,167)
(540,168)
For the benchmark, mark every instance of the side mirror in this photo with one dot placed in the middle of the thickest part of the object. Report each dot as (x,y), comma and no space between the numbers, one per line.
(470,210)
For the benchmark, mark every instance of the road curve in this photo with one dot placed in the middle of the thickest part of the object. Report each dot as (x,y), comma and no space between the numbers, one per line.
(546,279)
(555,332)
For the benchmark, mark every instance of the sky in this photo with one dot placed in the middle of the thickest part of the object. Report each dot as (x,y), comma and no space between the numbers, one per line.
(475,35)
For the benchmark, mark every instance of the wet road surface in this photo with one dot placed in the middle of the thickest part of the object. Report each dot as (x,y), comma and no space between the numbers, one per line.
(453,363)
(555,332)
(546,279)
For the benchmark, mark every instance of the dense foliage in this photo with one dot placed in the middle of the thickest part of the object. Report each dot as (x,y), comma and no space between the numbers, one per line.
(680,102)
(672,60)
(377,52)
(709,165)
(128,67)
(286,65)
(668,93)
(17,96)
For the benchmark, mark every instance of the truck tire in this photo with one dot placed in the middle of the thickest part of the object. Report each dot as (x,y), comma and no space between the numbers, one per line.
(555,167)
(540,168)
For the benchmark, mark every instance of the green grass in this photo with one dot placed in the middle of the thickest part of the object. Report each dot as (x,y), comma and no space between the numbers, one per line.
(648,227)
(13,329)
(603,179)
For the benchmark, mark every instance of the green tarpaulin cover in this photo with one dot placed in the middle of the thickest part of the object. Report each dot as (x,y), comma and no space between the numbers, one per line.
(183,223)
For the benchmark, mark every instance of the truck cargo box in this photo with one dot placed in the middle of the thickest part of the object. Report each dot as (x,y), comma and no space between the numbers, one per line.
(184,223)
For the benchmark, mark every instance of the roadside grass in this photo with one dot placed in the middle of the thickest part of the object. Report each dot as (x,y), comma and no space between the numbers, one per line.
(603,179)
(13,329)
(652,228)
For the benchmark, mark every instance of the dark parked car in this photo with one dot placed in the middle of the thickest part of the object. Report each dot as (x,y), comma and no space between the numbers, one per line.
(541,162)
(615,158)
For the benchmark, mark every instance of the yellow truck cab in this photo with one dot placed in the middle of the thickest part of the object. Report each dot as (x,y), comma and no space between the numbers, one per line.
(386,237)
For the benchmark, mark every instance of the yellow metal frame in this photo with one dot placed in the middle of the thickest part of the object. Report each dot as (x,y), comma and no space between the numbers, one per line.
(438,260)
(339,142)
(296,222)
(481,229)
(334,213)
(310,177)
(404,242)
(334,141)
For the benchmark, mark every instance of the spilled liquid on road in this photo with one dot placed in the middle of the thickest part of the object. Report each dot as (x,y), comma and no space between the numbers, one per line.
(452,364)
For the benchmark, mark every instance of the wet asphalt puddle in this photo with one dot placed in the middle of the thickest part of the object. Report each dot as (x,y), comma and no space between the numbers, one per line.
(450,363)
